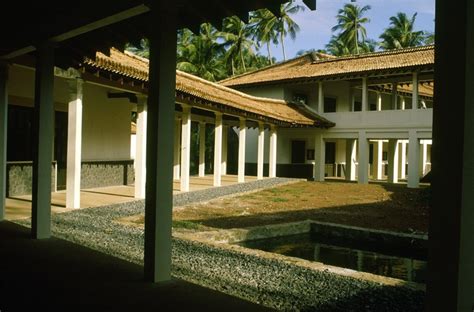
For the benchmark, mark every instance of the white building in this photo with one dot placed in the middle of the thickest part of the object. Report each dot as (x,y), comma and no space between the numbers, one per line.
(381,104)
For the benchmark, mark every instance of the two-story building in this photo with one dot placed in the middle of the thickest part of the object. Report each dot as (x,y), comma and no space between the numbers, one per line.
(381,104)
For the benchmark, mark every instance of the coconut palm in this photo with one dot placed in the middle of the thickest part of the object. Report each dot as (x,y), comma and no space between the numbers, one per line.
(236,38)
(142,49)
(263,29)
(269,26)
(337,47)
(400,33)
(350,21)
(201,54)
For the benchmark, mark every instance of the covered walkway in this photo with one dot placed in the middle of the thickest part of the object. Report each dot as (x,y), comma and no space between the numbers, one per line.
(19,207)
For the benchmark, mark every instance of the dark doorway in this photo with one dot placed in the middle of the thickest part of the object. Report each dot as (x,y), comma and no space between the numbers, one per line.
(330,153)
(298,148)
(60,148)
(19,133)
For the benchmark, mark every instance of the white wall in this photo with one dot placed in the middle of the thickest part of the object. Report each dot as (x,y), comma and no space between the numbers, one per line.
(106,122)
(106,125)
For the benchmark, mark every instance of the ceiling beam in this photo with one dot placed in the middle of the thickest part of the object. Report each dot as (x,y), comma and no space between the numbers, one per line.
(311,4)
(109,20)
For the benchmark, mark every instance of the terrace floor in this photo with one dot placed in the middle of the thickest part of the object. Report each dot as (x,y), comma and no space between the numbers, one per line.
(19,207)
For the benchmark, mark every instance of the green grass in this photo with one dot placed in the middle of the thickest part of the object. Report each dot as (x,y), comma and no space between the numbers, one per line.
(188,225)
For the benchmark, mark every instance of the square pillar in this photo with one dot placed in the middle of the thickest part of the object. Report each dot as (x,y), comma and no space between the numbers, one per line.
(320,98)
(413,160)
(379,101)
(140,154)
(202,149)
(160,137)
(260,150)
(414,102)
(393,161)
(242,139)
(185,147)
(74,144)
(363,170)
(218,149)
(177,150)
(43,133)
(378,159)
(365,95)
(403,159)
(402,102)
(424,157)
(272,163)
(3,136)
(319,157)
(350,159)
(225,132)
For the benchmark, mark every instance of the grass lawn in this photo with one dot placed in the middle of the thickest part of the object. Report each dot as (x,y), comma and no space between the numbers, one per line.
(377,206)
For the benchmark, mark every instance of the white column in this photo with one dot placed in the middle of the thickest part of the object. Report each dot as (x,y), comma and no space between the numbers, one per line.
(241,165)
(413,160)
(160,134)
(43,133)
(424,157)
(379,101)
(218,149)
(225,130)
(320,98)
(402,102)
(394,96)
(260,150)
(363,170)
(3,136)
(177,149)
(202,149)
(140,154)
(365,95)
(272,163)
(74,144)
(403,157)
(378,159)
(350,159)
(185,147)
(414,102)
(393,161)
(319,157)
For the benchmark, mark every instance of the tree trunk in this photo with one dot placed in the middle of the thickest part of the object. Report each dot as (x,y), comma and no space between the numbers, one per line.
(242,60)
(232,64)
(283,46)
(269,53)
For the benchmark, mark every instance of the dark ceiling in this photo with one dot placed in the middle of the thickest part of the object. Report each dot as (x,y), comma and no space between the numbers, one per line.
(80,28)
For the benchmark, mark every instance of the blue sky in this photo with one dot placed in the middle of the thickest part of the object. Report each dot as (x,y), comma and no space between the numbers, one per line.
(316,25)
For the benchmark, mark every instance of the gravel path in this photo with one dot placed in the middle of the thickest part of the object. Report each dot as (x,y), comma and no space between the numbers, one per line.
(270,282)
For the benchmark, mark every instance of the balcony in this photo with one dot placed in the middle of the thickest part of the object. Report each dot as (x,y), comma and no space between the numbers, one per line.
(392,119)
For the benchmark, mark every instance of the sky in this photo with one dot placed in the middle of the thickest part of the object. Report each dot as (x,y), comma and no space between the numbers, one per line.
(315,26)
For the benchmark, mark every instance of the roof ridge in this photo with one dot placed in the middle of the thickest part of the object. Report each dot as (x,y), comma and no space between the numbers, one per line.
(263,68)
(378,53)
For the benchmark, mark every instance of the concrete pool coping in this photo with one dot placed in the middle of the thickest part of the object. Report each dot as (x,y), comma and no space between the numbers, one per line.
(227,239)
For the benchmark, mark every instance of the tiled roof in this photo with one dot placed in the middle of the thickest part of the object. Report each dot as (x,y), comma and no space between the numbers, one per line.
(132,66)
(305,67)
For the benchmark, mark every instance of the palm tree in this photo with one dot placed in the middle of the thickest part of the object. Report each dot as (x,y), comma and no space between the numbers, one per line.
(263,29)
(400,33)
(236,39)
(337,47)
(201,54)
(142,49)
(268,26)
(350,22)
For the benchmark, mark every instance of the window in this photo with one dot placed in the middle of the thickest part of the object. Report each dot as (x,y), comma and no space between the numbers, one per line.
(329,105)
(357,106)
(298,148)
(373,107)
(330,153)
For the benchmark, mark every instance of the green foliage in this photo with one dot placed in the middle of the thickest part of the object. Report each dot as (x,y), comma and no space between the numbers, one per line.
(400,33)
(350,25)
